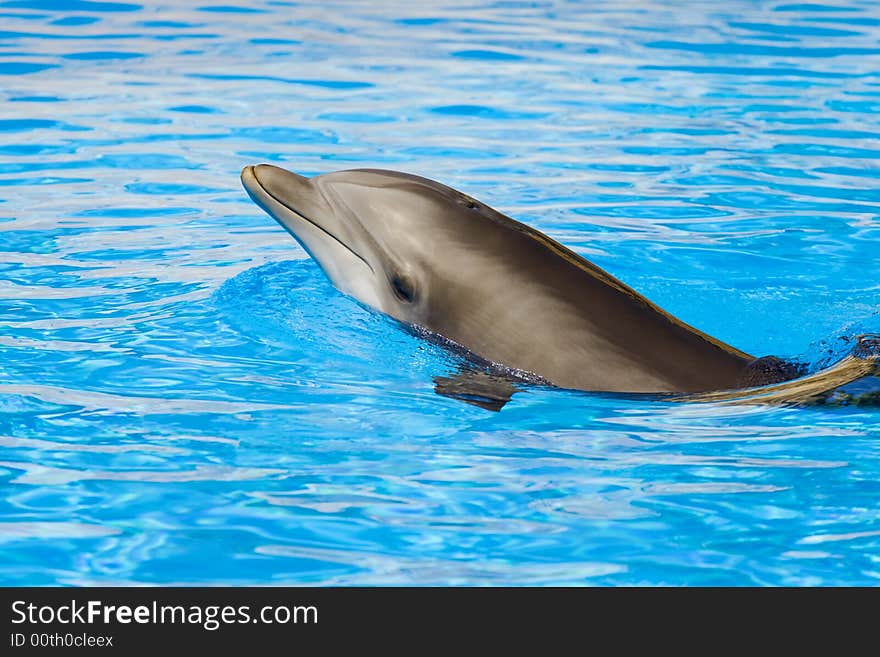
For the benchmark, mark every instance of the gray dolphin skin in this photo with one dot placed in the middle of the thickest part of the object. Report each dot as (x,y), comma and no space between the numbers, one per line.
(432,257)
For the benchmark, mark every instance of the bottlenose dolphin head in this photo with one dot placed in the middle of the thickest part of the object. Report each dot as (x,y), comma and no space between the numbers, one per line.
(391,240)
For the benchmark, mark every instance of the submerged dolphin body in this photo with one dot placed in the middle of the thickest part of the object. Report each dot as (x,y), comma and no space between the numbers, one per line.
(434,258)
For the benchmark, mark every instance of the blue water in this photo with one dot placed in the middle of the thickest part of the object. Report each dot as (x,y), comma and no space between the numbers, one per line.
(185,399)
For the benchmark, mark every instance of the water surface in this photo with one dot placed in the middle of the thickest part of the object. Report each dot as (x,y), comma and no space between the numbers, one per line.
(187,400)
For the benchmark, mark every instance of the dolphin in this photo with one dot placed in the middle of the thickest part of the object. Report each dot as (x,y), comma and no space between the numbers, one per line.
(444,263)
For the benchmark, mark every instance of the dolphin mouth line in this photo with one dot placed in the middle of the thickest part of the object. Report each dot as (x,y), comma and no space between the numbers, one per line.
(313,223)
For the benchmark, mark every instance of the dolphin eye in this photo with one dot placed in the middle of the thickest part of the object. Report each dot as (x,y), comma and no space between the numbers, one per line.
(403,288)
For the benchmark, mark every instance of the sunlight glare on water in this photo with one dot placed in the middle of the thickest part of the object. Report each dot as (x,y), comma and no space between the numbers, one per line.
(185,399)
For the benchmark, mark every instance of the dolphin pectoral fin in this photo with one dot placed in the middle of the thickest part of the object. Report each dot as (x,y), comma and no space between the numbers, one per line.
(852,381)
(477,387)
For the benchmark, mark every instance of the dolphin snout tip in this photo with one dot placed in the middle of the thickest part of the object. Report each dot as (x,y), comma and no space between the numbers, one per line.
(248,175)
(254,169)
(272,176)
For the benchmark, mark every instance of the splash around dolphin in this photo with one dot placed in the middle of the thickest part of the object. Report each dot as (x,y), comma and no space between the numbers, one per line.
(442,262)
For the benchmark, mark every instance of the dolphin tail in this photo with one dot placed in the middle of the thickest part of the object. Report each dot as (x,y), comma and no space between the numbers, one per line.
(853,380)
